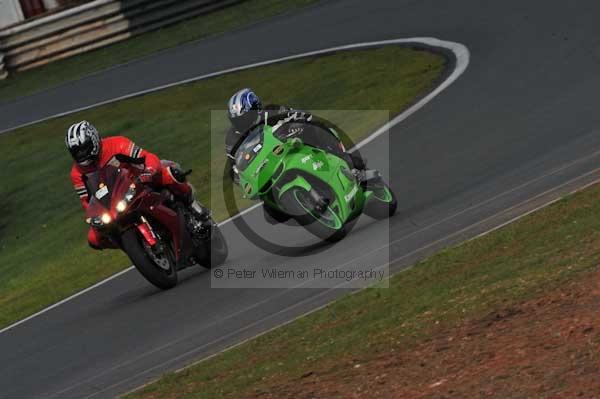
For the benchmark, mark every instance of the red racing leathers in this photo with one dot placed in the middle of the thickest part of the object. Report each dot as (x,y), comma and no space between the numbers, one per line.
(111,146)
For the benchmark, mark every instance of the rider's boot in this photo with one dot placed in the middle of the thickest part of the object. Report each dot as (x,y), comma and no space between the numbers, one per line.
(364,176)
(360,171)
(201,213)
(203,224)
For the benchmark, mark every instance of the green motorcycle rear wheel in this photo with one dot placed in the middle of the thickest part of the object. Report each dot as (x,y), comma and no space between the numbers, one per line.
(326,224)
(382,204)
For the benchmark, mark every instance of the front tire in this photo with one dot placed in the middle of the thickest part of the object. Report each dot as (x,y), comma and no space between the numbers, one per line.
(274,216)
(134,248)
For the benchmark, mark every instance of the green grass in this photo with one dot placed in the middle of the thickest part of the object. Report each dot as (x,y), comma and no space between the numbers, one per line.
(44,255)
(236,16)
(503,268)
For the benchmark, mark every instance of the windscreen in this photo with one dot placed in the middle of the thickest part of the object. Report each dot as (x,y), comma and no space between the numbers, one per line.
(100,184)
(249,148)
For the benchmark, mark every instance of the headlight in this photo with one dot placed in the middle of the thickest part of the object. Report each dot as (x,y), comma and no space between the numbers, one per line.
(127,198)
(121,206)
(106,219)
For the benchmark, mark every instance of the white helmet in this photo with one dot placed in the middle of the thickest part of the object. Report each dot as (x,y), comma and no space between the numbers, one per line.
(83,142)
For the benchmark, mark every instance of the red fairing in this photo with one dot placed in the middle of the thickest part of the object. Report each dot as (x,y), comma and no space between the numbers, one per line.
(111,146)
(111,212)
(125,179)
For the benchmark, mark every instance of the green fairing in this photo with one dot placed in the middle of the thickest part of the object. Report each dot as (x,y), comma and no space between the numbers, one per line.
(263,160)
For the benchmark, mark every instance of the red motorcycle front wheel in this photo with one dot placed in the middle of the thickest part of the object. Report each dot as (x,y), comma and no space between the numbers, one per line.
(158,269)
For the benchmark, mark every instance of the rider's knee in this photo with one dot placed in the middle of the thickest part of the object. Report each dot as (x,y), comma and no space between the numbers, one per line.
(173,174)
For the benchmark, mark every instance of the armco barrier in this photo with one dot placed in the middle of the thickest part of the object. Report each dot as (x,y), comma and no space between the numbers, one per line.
(92,26)
(3,72)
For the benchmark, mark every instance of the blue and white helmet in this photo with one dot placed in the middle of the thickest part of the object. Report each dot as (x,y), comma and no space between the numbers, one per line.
(244,108)
(83,142)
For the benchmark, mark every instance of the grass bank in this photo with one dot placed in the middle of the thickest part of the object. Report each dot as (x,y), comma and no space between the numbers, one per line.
(44,256)
(236,16)
(395,342)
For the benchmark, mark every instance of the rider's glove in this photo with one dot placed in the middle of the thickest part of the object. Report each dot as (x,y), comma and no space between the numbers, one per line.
(147,176)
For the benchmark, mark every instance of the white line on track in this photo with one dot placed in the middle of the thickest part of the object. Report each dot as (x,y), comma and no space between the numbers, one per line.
(460,52)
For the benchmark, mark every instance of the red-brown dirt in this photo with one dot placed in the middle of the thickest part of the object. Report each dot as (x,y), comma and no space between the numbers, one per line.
(548,347)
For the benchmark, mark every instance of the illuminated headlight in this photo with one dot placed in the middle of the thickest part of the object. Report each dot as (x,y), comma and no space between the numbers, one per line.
(121,206)
(106,219)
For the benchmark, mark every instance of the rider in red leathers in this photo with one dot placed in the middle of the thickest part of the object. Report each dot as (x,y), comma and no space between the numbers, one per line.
(91,152)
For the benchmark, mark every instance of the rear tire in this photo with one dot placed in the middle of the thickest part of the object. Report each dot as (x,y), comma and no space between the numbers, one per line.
(383,203)
(161,278)
(327,226)
(216,248)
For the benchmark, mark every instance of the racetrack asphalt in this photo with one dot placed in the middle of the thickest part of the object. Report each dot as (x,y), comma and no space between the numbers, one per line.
(518,129)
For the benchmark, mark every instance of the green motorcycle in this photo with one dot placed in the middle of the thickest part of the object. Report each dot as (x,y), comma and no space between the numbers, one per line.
(311,182)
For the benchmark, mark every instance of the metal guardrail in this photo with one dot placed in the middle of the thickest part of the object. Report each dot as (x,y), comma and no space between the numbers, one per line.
(3,72)
(91,26)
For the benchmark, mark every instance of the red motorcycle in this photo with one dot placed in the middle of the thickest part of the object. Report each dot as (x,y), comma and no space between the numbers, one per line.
(158,233)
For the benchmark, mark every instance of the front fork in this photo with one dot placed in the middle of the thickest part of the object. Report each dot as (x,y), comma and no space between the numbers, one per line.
(150,237)
(147,232)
